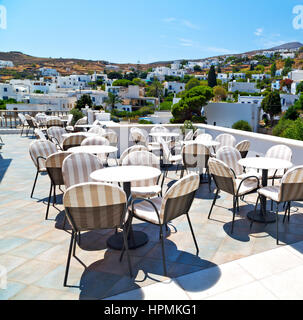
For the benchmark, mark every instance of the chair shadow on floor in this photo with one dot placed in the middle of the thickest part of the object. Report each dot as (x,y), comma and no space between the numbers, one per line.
(4,165)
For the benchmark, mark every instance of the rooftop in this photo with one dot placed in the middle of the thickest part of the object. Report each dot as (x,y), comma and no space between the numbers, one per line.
(34,251)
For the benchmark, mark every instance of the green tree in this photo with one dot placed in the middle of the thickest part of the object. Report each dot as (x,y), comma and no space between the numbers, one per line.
(84,101)
(155,89)
(282,125)
(294,131)
(112,100)
(242,125)
(190,106)
(123,83)
(212,77)
(194,82)
(288,63)
(197,68)
(115,75)
(271,105)
(299,87)
(220,93)
(291,113)
(273,70)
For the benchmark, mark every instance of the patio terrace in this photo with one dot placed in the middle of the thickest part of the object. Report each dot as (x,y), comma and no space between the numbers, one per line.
(34,251)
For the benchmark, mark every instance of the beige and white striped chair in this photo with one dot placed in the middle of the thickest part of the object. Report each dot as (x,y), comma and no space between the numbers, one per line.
(111,136)
(291,189)
(203,137)
(32,124)
(53,166)
(196,156)
(137,136)
(97,130)
(130,150)
(176,202)
(23,122)
(95,141)
(226,140)
(39,134)
(168,157)
(77,168)
(243,147)
(54,123)
(55,134)
(226,181)
(281,152)
(198,132)
(95,206)
(73,141)
(144,188)
(39,151)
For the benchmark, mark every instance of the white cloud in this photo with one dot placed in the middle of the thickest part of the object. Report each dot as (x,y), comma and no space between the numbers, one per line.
(219,50)
(259,32)
(189,24)
(186,42)
(169,20)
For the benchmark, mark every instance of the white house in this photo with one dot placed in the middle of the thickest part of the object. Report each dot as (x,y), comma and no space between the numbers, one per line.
(6,64)
(237,76)
(223,77)
(161,72)
(72,81)
(268,54)
(275,85)
(176,65)
(250,87)
(279,73)
(98,97)
(260,76)
(250,100)
(48,72)
(174,87)
(288,55)
(296,75)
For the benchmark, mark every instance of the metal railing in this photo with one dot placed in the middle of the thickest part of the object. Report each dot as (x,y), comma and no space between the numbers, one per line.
(10,119)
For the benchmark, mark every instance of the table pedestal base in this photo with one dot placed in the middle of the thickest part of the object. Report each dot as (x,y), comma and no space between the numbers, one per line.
(139,239)
(269,217)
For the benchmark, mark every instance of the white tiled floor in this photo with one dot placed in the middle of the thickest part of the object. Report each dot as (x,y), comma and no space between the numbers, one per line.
(272,275)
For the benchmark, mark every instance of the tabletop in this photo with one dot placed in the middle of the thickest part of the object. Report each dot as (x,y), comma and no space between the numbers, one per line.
(265,163)
(164,134)
(207,143)
(93,149)
(87,134)
(85,126)
(125,174)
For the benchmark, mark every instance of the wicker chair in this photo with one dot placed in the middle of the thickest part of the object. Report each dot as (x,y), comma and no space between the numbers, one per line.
(111,136)
(225,180)
(39,134)
(39,151)
(73,141)
(55,134)
(97,130)
(32,124)
(130,150)
(23,122)
(159,211)
(54,123)
(203,137)
(104,207)
(53,166)
(243,147)
(168,157)
(291,189)
(144,188)
(137,136)
(226,140)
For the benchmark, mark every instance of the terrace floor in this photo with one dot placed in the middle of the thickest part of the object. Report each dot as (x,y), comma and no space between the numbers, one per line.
(34,251)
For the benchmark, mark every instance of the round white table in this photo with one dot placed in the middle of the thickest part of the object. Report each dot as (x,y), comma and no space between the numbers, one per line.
(206,143)
(84,126)
(164,134)
(264,164)
(126,175)
(87,134)
(94,149)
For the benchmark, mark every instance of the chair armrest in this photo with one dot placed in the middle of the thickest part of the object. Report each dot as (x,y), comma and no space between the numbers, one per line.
(249,178)
(150,202)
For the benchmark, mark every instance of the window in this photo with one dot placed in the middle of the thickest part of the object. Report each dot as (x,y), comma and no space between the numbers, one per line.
(5,89)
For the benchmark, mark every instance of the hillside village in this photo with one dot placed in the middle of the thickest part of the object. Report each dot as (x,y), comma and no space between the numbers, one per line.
(131,91)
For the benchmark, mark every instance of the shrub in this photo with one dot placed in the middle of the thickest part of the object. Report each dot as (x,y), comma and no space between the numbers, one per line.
(294,131)
(77,115)
(188,125)
(145,122)
(166,105)
(292,113)
(115,119)
(242,125)
(282,125)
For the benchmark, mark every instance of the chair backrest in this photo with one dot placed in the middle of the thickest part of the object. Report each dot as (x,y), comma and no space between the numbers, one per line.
(69,119)
(22,118)
(292,185)
(243,147)
(195,155)
(54,123)
(142,158)
(81,121)
(279,152)
(73,141)
(31,121)
(97,130)
(95,141)
(189,135)
(41,118)
(223,176)
(41,148)
(111,136)
(226,140)
(165,148)
(77,168)
(54,164)
(56,134)
(204,137)
(39,134)
(231,157)
(95,206)
(130,150)
(179,198)
(198,132)
(137,135)
(159,129)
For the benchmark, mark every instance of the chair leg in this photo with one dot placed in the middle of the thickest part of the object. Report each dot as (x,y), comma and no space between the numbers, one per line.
(34,186)
(163,251)
(252,221)
(49,200)
(55,197)
(69,258)
(127,254)
(192,232)
(22,130)
(286,211)
(209,180)
(277,223)
(238,205)
(64,222)
(213,204)
(234,214)
(289,211)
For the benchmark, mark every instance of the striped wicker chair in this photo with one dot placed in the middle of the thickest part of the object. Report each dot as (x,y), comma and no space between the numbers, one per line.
(53,166)
(39,134)
(176,202)
(111,136)
(278,152)
(196,156)
(23,122)
(291,189)
(55,134)
(137,136)
(168,157)
(95,141)
(97,130)
(32,124)
(226,140)
(198,132)
(204,137)
(144,188)
(104,206)
(77,168)
(225,180)
(130,150)
(39,151)
(54,123)
(73,141)
(243,147)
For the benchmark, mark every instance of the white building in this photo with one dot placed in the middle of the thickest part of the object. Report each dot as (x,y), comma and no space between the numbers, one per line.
(161,72)
(223,77)
(288,55)
(249,87)
(176,65)
(48,72)
(72,81)
(268,54)
(250,100)
(275,85)
(260,76)
(174,87)
(279,73)
(237,76)
(10,91)
(98,97)
(296,75)
(6,64)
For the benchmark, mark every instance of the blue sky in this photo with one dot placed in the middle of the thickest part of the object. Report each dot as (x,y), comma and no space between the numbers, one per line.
(146,31)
